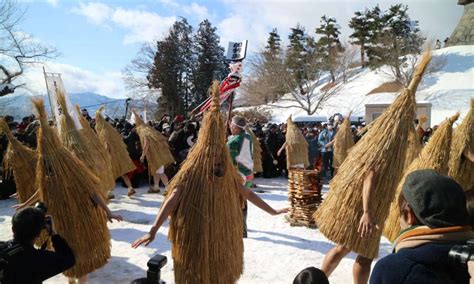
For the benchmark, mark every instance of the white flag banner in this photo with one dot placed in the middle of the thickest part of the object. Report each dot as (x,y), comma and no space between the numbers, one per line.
(55,84)
(133,119)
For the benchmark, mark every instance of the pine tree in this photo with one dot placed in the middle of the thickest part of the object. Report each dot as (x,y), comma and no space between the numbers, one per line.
(300,57)
(328,45)
(273,47)
(394,36)
(210,61)
(273,63)
(361,35)
(171,63)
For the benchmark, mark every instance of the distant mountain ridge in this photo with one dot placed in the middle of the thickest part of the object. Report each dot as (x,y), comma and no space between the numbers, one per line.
(20,106)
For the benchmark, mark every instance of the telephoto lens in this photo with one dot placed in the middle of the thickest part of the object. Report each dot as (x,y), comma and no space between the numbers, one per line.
(462,254)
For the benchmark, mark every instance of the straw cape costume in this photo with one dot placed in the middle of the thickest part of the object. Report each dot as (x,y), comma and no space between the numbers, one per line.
(113,142)
(435,156)
(78,145)
(414,147)
(98,150)
(343,141)
(381,150)
(296,147)
(22,161)
(256,152)
(461,168)
(158,154)
(206,228)
(66,186)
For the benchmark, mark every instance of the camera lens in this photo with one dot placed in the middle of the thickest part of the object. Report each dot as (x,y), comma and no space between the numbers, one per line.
(460,254)
(42,207)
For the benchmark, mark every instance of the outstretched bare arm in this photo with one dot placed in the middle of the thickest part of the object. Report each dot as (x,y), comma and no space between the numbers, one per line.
(168,207)
(255,199)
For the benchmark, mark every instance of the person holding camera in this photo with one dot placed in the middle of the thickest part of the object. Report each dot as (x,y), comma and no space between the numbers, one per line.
(433,219)
(28,264)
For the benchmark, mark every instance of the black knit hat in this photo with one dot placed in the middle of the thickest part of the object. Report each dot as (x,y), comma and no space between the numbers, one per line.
(438,201)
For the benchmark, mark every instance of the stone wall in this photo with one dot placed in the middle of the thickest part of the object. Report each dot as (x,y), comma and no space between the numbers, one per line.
(464,32)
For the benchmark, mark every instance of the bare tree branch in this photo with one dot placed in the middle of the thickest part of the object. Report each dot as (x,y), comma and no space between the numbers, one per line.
(18,50)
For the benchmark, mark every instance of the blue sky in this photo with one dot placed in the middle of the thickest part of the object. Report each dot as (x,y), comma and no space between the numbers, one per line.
(97,39)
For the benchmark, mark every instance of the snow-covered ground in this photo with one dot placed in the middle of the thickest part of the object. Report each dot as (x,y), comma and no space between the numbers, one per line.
(274,251)
(449,89)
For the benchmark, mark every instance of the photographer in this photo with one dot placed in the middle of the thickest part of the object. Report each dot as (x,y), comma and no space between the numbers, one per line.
(31,265)
(433,219)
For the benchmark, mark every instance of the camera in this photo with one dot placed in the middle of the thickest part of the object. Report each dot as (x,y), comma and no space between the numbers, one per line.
(153,274)
(40,205)
(462,254)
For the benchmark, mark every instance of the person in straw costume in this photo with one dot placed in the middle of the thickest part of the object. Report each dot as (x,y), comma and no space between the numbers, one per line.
(156,150)
(113,142)
(72,193)
(204,203)
(22,160)
(363,188)
(73,140)
(343,141)
(414,147)
(256,151)
(97,148)
(296,147)
(435,156)
(461,162)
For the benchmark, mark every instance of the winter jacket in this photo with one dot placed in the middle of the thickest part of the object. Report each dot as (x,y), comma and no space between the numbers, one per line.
(422,257)
(34,266)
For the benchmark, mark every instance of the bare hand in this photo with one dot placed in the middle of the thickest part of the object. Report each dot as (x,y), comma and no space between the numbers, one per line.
(111,216)
(145,239)
(470,269)
(278,153)
(19,206)
(281,211)
(366,226)
(142,159)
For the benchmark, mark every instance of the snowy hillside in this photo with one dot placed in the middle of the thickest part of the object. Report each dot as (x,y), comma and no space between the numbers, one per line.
(448,90)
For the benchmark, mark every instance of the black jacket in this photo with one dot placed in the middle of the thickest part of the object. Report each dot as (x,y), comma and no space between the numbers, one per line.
(428,263)
(34,265)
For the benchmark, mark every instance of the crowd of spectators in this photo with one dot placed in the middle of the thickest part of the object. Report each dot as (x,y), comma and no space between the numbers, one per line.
(182,134)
